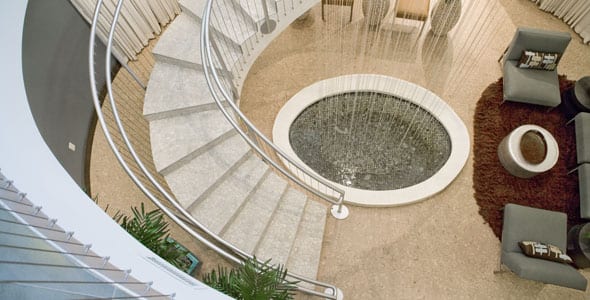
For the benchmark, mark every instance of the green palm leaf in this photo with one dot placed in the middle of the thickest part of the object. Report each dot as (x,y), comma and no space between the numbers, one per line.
(253,281)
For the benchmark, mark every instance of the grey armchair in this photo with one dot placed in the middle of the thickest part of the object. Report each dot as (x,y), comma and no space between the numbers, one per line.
(528,85)
(523,223)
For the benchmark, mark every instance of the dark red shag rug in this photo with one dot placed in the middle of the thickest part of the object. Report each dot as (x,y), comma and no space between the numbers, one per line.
(494,186)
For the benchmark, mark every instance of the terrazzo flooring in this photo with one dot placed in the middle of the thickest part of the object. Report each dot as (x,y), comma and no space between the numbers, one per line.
(439,248)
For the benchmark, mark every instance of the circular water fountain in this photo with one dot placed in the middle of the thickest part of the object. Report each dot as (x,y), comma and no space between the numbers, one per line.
(384,141)
(370,141)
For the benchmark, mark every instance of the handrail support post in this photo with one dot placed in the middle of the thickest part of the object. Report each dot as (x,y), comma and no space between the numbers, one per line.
(339,211)
(269,24)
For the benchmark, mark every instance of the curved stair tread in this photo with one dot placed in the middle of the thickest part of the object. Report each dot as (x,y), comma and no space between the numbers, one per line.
(304,258)
(234,24)
(189,181)
(174,90)
(221,205)
(180,44)
(249,225)
(193,8)
(280,235)
(174,138)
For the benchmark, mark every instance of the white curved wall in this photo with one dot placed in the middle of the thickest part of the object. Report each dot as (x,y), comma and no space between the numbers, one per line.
(26,159)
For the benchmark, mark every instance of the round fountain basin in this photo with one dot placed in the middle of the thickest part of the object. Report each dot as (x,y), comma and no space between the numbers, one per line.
(382,140)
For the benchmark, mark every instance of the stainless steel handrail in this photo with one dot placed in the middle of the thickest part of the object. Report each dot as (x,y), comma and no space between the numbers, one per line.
(338,210)
(114,148)
(331,291)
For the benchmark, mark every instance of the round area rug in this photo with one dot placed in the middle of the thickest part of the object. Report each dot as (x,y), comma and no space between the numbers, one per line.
(494,187)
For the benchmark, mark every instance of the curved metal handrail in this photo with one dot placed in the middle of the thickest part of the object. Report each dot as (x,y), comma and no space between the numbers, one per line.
(113,146)
(331,291)
(212,75)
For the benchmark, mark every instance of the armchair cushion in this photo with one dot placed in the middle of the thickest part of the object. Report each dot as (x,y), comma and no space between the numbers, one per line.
(530,86)
(544,270)
(538,40)
(522,223)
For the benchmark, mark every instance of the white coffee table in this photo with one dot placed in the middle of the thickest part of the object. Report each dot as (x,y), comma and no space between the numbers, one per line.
(513,160)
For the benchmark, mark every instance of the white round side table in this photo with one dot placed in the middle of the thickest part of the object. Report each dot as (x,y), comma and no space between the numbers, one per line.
(513,160)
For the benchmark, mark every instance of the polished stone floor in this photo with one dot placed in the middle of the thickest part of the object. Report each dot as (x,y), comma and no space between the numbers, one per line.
(440,248)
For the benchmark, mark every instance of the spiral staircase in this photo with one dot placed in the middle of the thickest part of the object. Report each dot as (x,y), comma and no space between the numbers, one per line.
(212,171)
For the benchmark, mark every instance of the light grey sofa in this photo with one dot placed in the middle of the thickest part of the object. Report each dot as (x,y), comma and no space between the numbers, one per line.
(528,85)
(523,223)
(582,127)
(584,188)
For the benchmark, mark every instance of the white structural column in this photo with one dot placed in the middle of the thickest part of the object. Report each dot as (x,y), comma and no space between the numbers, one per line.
(140,20)
(575,13)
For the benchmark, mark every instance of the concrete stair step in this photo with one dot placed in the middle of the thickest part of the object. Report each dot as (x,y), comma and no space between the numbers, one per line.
(174,138)
(193,8)
(180,44)
(256,11)
(220,206)
(278,240)
(229,21)
(192,179)
(304,258)
(249,225)
(174,90)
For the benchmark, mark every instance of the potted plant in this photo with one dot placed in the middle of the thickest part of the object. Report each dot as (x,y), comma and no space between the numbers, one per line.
(151,229)
(251,281)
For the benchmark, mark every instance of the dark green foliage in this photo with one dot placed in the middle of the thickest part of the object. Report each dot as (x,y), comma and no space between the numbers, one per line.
(150,229)
(252,281)
(222,281)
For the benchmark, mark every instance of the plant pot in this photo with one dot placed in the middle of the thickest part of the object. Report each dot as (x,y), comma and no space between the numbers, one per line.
(578,245)
(192,262)
(374,11)
(445,16)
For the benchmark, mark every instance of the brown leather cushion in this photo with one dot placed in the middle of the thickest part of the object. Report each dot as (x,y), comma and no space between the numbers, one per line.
(544,251)
(412,9)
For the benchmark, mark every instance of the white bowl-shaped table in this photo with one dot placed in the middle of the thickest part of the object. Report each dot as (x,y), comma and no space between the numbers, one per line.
(512,158)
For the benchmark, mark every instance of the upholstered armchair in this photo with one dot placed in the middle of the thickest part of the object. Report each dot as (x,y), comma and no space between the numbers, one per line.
(523,223)
(532,86)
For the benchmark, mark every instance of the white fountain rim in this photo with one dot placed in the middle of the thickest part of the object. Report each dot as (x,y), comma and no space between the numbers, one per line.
(459,136)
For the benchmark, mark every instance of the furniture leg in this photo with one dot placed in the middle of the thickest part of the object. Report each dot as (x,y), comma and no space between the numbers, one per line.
(503,54)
